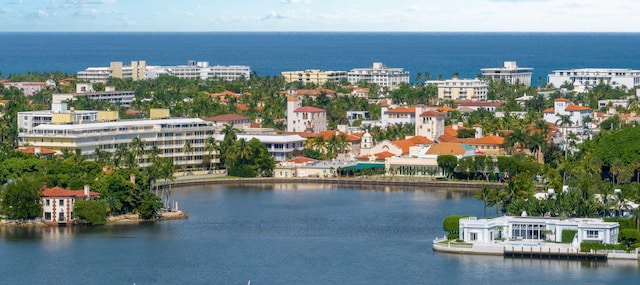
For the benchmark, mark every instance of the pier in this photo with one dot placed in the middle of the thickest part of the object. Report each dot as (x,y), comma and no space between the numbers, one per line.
(548,253)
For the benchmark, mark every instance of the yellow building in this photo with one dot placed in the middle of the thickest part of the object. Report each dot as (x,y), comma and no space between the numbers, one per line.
(314,76)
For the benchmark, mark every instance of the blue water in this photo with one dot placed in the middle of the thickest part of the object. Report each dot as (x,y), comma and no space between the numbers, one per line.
(271,53)
(284,234)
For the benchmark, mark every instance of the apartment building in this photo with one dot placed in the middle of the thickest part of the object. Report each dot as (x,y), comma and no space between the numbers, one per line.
(314,76)
(510,73)
(389,78)
(461,89)
(615,77)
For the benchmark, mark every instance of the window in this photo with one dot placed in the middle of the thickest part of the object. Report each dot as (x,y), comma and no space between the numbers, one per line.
(61,203)
(473,236)
(592,234)
(61,216)
(47,216)
(47,202)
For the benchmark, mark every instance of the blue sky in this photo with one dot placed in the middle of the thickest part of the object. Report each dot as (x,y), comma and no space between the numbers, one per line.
(321,15)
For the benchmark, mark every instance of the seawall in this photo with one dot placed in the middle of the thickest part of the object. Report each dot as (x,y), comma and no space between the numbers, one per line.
(404,182)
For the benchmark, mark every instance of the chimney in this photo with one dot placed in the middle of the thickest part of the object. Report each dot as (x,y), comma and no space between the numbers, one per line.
(86,191)
(478,129)
(132,178)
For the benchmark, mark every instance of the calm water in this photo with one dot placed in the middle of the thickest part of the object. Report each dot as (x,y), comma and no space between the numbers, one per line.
(271,53)
(283,235)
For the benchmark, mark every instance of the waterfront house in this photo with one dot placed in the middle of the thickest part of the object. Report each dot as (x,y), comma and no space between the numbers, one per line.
(57,203)
(474,230)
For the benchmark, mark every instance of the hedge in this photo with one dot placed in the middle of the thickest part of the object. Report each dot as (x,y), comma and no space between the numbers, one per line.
(568,235)
(451,224)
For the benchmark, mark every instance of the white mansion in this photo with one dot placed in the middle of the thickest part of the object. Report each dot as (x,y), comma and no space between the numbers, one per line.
(615,77)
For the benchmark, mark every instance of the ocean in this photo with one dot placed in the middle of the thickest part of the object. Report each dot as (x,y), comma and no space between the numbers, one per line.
(270,53)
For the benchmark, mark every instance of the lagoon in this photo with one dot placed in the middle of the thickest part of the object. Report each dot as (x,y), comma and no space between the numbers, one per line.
(284,234)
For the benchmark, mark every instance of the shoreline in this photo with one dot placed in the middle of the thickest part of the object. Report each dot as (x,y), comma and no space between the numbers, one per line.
(111,220)
(197,180)
(542,250)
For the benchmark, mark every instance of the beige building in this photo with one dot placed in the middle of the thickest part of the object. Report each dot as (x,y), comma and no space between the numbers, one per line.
(135,71)
(461,89)
(314,76)
(429,123)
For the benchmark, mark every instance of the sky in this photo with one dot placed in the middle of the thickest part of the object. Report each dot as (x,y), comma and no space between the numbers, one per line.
(319,15)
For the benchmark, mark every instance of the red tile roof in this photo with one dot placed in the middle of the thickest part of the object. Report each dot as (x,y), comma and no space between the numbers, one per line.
(577,108)
(550,110)
(402,110)
(300,160)
(562,100)
(309,109)
(32,150)
(404,145)
(432,114)
(61,192)
(131,112)
(420,140)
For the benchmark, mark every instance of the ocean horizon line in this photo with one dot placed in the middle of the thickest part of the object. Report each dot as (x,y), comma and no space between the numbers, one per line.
(334,32)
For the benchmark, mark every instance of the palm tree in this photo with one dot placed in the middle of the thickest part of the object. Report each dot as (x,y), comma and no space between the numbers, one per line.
(138,148)
(210,146)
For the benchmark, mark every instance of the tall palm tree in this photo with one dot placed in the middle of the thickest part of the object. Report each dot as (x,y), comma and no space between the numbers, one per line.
(210,147)
(138,148)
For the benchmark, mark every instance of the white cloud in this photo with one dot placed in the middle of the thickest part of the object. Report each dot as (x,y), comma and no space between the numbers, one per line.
(42,13)
(273,15)
(87,11)
(295,1)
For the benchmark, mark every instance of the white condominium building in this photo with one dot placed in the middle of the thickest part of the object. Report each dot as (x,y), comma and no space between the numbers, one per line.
(202,70)
(314,76)
(510,73)
(139,70)
(135,71)
(170,135)
(461,89)
(379,74)
(614,77)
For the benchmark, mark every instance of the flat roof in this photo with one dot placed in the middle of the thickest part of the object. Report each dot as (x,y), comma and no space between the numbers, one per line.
(123,123)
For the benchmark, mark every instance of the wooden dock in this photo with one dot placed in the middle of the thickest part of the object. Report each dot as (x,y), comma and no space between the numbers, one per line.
(559,254)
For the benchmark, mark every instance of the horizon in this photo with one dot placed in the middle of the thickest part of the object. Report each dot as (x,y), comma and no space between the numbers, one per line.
(564,16)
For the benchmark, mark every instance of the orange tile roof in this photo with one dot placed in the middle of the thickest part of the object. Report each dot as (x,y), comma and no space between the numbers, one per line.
(300,160)
(420,140)
(404,145)
(329,133)
(550,110)
(452,148)
(383,155)
(562,100)
(432,114)
(577,108)
(402,110)
(384,103)
(61,192)
(32,150)
(131,112)
(309,109)
(489,140)
(446,109)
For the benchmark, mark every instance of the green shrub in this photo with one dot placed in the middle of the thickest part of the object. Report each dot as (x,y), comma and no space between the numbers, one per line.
(242,170)
(629,237)
(568,235)
(625,223)
(453,236)
(90,212)
(451,224)
(588,246)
